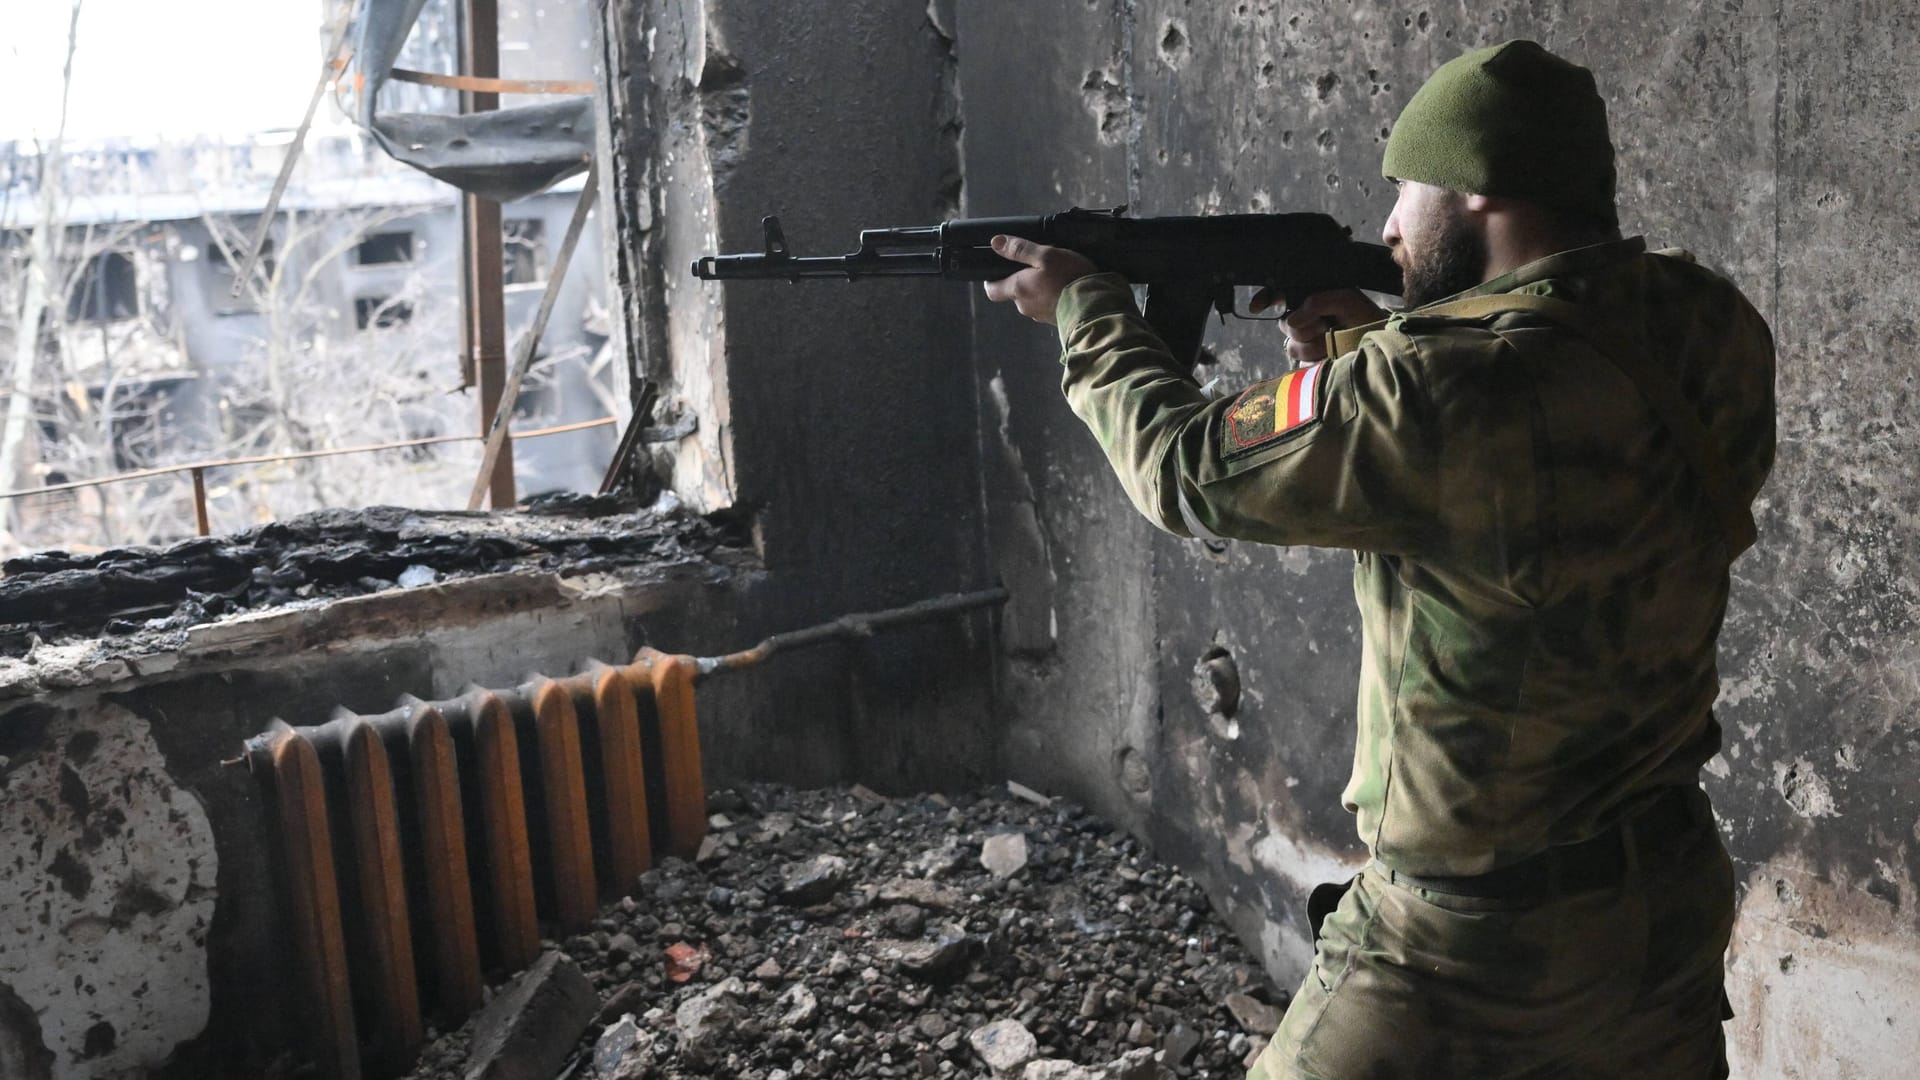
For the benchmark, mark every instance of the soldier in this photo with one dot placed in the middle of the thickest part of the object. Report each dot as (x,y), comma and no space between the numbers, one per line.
(1544,468)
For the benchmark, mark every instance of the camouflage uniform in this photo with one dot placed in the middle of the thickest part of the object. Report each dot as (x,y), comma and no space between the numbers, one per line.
(1540,583)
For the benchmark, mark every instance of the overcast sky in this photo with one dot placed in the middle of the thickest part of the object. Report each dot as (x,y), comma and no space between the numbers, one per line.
(151,68)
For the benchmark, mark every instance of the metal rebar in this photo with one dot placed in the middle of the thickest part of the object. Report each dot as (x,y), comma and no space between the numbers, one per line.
(200,501)
(301,455)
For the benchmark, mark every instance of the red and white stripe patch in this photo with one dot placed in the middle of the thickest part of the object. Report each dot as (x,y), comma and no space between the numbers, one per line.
(1268,410)
(1298,393)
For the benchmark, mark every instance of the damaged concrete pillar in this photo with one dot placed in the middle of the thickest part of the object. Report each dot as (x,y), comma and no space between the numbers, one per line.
(833,422)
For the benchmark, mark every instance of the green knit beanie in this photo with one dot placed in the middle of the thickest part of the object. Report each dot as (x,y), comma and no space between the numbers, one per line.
(1512,120)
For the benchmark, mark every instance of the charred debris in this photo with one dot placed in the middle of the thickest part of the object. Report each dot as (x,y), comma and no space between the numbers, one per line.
(149,597)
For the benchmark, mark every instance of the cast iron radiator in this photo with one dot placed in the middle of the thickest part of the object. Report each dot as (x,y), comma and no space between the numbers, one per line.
(425,845)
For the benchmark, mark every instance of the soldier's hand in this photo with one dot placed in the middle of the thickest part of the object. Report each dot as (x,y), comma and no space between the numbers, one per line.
(1036,290)
(1306,326)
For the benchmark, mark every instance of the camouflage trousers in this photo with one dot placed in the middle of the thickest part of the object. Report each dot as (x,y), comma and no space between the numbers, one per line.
(1615,982)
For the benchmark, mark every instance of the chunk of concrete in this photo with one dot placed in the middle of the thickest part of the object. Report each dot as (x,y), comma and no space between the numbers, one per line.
(813,881)
(936,961)
(1004,854)
(1179,1045)
(529,1028)
(1005,1045)
(709,1013)
(800,1006)
(1256,1017)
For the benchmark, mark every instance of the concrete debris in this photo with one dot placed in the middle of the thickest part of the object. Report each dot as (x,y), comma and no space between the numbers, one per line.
(1139,1065)
(1004,854)
(1021,791)
(921,893)
(838,989)
(1057,1069)
(612,1046)
(622,946)
(904,921)
(800,1007)
(711,848)
(813,881)
(707,1019)
(530,1027)
(1179,1045)
(1256,1017)
(1005,1045)
(944,861)
(415,576)
(939,960)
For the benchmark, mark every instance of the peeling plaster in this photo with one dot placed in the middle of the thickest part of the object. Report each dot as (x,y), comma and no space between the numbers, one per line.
(108,893)
(1022,554)
(1820,975)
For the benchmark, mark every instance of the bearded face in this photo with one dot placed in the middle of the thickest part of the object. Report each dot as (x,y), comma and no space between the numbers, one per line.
(1438,248)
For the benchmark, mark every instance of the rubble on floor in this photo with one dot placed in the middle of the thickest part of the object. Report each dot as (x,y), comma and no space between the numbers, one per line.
(143,598)
(839,933)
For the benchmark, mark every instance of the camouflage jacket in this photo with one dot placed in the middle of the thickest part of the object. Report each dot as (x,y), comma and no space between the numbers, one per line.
(1540,579)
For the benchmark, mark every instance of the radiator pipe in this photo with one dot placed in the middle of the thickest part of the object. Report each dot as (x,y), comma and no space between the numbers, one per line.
(851,628)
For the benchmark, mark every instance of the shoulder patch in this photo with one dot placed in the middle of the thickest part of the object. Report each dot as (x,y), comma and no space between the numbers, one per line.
(1266,411)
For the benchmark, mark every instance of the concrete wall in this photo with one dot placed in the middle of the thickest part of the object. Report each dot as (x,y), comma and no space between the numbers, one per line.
(1772,140)
(834,421)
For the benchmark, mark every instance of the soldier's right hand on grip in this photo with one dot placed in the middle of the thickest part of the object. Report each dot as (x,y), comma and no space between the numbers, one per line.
(1307,325)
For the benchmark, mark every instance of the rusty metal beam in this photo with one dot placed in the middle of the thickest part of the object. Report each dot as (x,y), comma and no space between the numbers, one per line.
(483,292)
(496,431)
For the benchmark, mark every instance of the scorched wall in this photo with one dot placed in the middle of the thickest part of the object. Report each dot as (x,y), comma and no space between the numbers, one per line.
(1773,140)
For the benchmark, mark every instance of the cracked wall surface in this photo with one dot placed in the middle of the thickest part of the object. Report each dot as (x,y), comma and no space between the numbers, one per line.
(1774,141)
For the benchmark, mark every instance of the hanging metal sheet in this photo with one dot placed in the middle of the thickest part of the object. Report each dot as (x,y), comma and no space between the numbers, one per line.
(504,154)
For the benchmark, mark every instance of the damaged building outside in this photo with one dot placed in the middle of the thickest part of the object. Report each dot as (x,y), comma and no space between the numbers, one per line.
(825,448)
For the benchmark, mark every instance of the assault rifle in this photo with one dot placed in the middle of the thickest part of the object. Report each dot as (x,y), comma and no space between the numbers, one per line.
(1190,265)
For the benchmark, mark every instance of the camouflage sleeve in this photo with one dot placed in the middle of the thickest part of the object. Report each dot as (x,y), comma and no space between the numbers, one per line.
(1338,454)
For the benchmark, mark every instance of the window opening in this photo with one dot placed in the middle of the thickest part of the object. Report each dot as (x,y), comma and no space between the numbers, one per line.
(381,313)
(385,248)
(106,289)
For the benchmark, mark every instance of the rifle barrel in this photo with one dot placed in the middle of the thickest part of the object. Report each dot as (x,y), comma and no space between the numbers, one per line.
(857,265)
